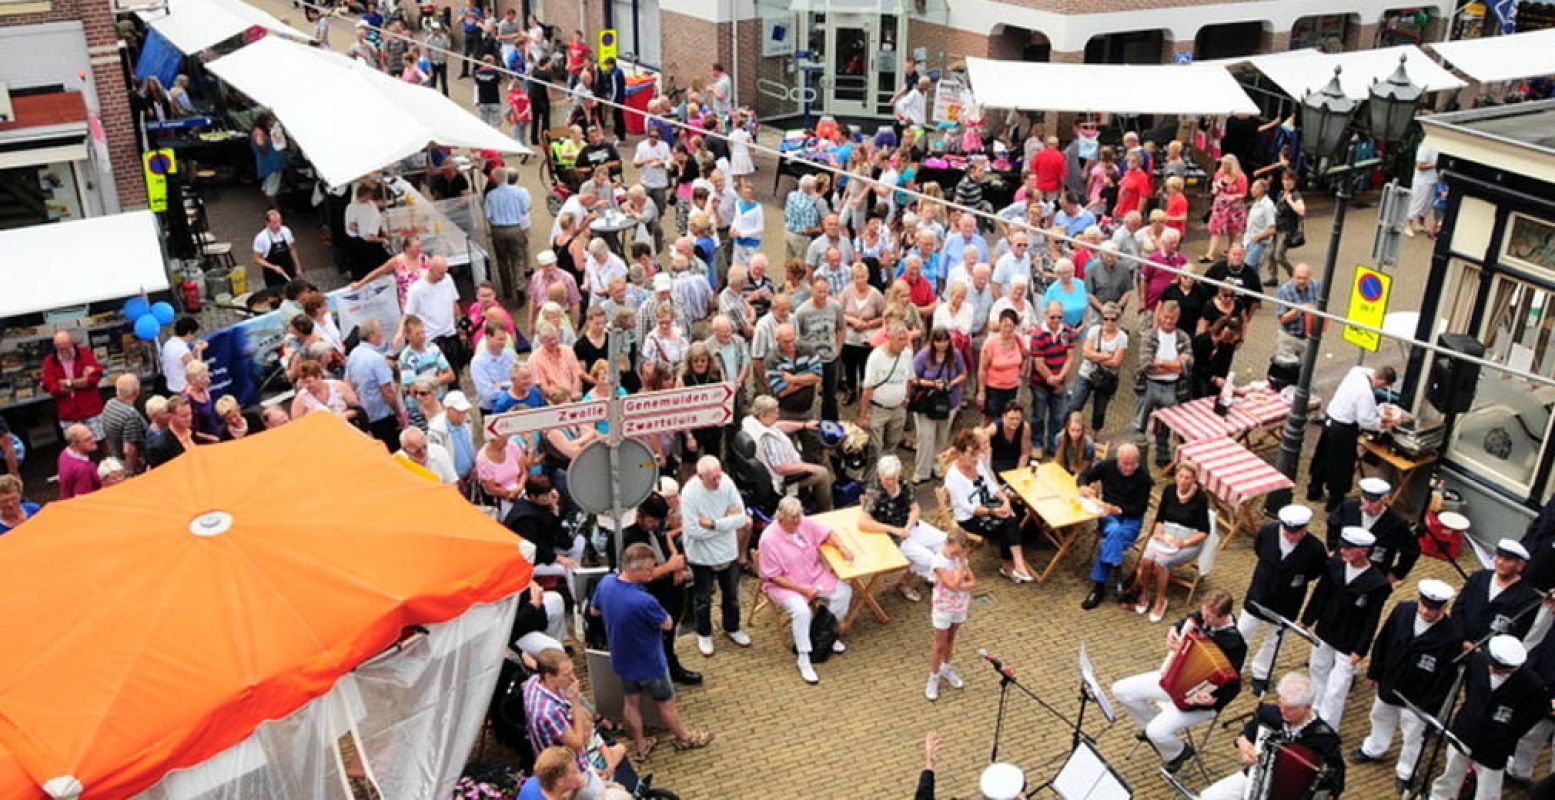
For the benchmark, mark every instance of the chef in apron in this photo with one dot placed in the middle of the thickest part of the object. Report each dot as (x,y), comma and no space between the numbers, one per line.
(275,251)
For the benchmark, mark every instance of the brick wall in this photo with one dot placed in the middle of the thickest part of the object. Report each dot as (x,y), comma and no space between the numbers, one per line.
(108,78)
(690,46)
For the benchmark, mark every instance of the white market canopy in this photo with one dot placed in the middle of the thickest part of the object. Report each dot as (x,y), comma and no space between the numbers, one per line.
(349,118)
(1132,89)
(63,264)
(1502,58)
(193,25)
(1301,71)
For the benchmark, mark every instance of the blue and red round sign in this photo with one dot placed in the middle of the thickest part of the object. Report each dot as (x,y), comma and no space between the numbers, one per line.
(159,164)
(1370,288)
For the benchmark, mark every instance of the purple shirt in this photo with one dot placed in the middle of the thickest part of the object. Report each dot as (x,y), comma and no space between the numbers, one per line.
(797,557)
(923,370)
(1156,280)
(77,475)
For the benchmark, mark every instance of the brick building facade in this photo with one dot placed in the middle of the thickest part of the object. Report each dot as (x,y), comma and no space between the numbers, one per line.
(72,45)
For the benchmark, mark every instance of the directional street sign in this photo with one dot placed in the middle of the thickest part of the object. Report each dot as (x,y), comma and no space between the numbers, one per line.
(678,409)
(547,417)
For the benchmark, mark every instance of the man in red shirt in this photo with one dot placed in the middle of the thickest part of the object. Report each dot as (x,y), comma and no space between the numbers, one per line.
(1134,188)
(1050,167)
(71,374)
(920,290)
(577,55)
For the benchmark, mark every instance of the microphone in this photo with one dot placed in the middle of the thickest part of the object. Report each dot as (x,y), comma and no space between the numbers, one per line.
(998,665)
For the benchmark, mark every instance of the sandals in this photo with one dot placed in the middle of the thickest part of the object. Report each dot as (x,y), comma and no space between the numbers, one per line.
(909,592)
(640,755)
(696,741)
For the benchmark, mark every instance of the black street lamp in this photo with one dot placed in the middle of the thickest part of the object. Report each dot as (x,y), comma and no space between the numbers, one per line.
(1325,128)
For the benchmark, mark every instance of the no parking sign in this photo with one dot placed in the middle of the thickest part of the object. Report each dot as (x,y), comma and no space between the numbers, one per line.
(1368,305)
(158,165)
(607,45)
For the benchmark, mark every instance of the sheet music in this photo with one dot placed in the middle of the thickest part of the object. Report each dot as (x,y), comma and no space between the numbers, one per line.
(1088,675)
(1085,776)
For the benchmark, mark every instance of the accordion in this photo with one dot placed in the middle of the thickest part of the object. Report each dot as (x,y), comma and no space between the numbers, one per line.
(1198,665)
(1288,771)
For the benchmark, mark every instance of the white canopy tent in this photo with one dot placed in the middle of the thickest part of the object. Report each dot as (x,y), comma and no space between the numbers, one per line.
(90,260)
(1502,58)
(1301,71)
(193,25)
(351,119)
(1164,89)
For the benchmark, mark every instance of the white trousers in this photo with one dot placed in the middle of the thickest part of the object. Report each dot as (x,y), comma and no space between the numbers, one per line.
(1529,748)
(1385,719)
(1231,787)
(536,642)
(799,613)
(1262,661)
(920,546)
(575,552)
(1161,724)
(1332,673)
(1540,627)
(1487,787)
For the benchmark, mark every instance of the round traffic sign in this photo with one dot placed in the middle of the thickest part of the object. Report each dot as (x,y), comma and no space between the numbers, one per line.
(607,38)
(589,478)
(159,164)
(1370,287)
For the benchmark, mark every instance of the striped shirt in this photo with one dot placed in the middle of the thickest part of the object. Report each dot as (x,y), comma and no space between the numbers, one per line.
(123,425)
(1052,347)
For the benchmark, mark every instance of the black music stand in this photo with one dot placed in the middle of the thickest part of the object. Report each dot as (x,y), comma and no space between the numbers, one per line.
(1282,625)
(1436,726)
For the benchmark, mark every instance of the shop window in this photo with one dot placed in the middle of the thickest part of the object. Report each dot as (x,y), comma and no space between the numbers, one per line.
(1326,32)
(1454,315)
(1503,436)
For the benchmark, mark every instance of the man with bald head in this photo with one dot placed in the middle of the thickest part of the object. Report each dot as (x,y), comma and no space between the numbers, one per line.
(764,337)
(77,473)
(71,374)
(124,429)
(1124,496)
(415,449)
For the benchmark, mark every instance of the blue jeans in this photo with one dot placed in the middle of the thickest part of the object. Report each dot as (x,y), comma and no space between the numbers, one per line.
(1117,536)
(1158,394)
(1082,392)
(1047,415)
(1255,251)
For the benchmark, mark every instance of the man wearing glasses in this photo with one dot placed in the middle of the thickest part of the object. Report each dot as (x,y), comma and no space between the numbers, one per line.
(1016,262)
(415,449)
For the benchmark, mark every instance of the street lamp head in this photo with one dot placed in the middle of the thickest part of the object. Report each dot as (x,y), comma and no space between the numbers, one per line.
(1325,118)
(1393,104)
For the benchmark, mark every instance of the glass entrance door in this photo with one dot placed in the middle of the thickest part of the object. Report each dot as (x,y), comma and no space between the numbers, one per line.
(850,79)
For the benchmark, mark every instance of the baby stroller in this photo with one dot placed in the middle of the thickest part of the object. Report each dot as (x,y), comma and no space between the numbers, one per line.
(852,458)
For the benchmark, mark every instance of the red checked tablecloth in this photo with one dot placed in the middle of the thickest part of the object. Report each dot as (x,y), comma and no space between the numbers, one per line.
(1230,471)
(1196,419)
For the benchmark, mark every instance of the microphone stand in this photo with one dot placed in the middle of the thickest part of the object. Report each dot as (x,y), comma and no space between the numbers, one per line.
(1282,625)
(1006,680)
(1448,713)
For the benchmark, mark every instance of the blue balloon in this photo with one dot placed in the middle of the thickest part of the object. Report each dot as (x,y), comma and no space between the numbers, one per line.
(146,327)
(135,307)
(163,311)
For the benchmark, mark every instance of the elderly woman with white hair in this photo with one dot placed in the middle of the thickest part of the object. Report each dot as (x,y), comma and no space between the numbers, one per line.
(1291,716)
(888,507)
(794,576)
(599,266)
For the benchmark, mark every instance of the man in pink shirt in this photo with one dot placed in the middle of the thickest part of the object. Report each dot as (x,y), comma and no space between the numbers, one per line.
(1153,280)
(554,365)
(794,576)
(77,473)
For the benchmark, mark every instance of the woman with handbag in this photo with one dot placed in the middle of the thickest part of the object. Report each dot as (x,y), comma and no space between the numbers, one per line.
(1288,233)
(938,382)
(1103,349)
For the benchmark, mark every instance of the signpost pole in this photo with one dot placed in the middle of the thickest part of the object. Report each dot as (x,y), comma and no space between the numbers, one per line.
(616,421)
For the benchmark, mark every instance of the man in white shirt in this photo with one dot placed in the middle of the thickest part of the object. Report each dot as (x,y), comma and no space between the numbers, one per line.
(912,108)
(1016,262)
(275,251)
(1422,191)
(882,405)
(364,224)
(778,454)
(435,300)
(1352,409)
(715,536)
(415,448)
(652,158)
(1259,234)
(178,351)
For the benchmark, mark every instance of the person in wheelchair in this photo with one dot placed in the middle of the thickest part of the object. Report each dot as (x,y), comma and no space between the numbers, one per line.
(777,452)
(564,157)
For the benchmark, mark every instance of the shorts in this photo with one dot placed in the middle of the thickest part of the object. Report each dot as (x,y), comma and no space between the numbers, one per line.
(657,688)
(944,619)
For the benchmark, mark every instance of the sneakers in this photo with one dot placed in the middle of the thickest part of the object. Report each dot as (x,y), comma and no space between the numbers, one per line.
(740,638)
(951,677)
(705,646)
(838,647)
(806,671)
(931,690)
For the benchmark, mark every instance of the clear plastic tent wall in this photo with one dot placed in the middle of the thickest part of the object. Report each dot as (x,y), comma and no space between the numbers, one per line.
(405,721)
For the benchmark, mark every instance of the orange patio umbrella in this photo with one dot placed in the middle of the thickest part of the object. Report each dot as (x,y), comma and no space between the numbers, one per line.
(151,625)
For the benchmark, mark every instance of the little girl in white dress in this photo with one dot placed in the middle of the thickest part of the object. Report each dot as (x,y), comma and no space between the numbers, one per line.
(740,163)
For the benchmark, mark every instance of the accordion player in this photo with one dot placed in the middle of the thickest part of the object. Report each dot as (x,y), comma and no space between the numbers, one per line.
(1287,752)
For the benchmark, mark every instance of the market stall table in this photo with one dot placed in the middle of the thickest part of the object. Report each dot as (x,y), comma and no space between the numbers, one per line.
(1053,501)
(875,555)
(1235,477)
(1405,469)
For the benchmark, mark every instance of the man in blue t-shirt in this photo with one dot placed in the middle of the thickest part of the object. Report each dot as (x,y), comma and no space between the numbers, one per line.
(556,776)
(633,622)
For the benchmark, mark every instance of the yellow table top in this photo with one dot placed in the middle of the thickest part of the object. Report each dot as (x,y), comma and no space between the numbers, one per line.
(1051,492)
(873,553)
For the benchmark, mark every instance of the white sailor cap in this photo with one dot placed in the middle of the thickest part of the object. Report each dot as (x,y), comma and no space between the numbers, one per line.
(1374,488)
(1506,651)
(1511,548)
(1453,521)
(1001,781)
(1295,516)
(1435,593)
(1356,536)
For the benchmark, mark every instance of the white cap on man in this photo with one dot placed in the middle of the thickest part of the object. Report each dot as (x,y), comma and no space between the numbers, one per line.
(1506,652)
(545,257)
(1295,517)
(457,401)
(1375,488)
(1435,593)
(1511,548)
(1356,536)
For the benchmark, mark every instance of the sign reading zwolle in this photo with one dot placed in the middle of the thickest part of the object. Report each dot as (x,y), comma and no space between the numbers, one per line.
(654,412)
(547,417)
(1368,306)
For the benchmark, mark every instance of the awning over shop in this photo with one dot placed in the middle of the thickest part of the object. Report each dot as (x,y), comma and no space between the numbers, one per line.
(1164,89)
(348,118)
(1301,71)
(193,25)
(64,264)
(1502,58)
